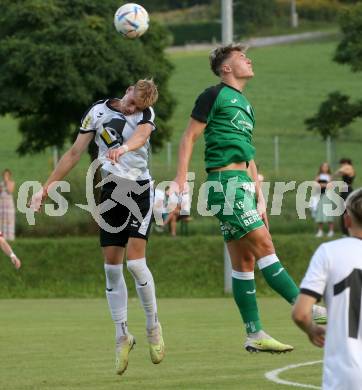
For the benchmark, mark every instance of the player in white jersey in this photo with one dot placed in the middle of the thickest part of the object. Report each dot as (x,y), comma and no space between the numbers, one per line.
(335,273)
(122,128)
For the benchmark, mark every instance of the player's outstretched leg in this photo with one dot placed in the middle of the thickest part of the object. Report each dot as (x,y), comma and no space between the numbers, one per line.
(116,291)
(146,291)
(278,278)
(244,291)
(280,281)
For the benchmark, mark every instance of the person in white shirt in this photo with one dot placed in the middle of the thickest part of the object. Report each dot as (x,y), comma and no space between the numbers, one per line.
(321,216)
(335,273)
(121,129)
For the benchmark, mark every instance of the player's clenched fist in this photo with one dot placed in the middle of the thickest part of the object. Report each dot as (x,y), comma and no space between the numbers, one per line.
(37,200)
(115,154)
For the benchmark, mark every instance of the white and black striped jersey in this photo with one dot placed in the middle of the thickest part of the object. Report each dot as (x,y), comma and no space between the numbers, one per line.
(335,272)
(112,129)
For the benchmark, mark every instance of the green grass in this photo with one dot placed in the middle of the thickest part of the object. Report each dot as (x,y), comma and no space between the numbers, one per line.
(68,345)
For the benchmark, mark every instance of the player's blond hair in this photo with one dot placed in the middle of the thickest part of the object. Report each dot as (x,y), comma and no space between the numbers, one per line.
(146,93)
(221,53)
(354,206)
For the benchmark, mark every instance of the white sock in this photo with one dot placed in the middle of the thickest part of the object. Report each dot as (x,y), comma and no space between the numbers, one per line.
(116,291)
(145,287)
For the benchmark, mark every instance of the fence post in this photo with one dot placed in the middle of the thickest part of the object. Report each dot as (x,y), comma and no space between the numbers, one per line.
(227,271)
(276,154)
(55,156)
(169,154)
(329,150)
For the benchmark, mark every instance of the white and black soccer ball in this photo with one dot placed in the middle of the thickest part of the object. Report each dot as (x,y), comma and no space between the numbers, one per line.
(131,20)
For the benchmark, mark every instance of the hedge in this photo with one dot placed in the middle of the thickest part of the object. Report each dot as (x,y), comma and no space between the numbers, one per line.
(182,267)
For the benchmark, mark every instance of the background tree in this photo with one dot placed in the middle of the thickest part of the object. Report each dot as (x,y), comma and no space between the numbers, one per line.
(334,114)
(59,56)
(337,111)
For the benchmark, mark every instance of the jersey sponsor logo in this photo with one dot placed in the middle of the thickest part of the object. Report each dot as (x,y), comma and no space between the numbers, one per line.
(239,121)
(111,134)
(106,137)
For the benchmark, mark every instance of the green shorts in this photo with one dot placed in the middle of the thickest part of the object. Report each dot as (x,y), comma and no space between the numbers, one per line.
(231,198)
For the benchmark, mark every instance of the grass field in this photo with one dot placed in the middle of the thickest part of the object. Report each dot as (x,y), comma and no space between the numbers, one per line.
(68,345)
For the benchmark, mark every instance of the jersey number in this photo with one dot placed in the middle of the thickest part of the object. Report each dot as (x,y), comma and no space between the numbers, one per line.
(354,282)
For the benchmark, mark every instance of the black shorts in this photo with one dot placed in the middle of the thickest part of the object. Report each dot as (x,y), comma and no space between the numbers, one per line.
(131,214)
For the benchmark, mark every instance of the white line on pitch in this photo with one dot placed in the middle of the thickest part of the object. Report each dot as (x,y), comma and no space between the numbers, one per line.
(274,375)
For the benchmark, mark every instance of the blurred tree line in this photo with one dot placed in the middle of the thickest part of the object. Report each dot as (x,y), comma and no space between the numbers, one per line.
(57,57)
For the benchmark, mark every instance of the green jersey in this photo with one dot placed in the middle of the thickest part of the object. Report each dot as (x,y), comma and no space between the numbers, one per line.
(229,119)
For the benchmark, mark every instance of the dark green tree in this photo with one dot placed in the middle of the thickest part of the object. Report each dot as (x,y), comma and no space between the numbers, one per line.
(59,56)
(337,111)
(334,114)
(349,50)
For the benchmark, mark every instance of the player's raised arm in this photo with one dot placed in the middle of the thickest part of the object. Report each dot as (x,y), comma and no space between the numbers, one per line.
(191,134)
(64,166)
(302,316)
(137,140)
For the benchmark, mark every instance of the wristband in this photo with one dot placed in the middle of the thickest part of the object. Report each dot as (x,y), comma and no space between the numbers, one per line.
(12,255)
(125,148)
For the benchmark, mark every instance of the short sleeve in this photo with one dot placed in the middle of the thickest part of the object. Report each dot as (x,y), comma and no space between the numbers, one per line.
(204,103)
(315,280)
(88,119)
(87,122)
(148,116)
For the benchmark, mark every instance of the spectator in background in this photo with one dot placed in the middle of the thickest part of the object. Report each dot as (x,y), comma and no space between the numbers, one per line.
(7,207)
(176,209)
(347,172)
(323,179)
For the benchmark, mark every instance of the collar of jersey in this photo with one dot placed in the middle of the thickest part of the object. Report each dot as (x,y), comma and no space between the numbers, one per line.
(108,104)
(229,86)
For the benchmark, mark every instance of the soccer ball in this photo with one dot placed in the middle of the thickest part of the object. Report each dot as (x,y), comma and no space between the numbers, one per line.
(131,20)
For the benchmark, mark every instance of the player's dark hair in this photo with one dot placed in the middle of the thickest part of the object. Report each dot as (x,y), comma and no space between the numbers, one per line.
(221,53)
(345,161)
(354,206)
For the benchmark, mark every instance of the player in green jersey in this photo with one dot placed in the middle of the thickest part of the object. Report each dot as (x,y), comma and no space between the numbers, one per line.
(226,118)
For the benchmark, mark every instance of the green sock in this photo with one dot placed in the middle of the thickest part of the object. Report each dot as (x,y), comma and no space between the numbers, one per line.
(245,298)
(278,278)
